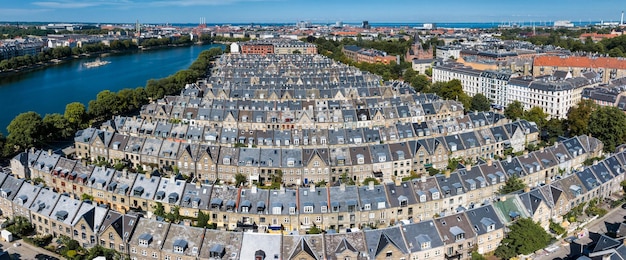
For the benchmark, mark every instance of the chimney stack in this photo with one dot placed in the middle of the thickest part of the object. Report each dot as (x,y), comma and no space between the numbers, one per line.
(342,187)
(198,184)
(446,173)
(489,162)
(312,187)
(423,177)
(621,21)
(468,167)
(371,185)
(527,189)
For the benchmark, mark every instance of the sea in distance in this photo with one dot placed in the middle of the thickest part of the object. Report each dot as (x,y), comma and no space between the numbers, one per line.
(47,90)
(471,25)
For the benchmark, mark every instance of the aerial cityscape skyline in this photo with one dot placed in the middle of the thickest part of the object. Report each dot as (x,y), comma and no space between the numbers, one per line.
(279,11)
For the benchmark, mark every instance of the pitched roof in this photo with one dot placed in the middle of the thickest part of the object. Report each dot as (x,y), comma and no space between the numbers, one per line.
(580,62)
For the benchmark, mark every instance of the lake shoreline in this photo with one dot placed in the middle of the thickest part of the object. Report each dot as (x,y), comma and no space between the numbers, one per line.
(54,62)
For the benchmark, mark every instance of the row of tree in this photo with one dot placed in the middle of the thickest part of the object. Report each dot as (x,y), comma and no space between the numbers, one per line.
(30,129)
(65,52)
(392,71)
(569,39)
(10,32)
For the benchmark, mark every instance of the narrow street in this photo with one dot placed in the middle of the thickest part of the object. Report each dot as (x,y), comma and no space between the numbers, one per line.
(27,251)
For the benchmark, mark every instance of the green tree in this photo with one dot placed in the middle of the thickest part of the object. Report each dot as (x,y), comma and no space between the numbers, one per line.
(511,185)
(159,210)
(314,230)
(514,110)
(536,114)
(367,181)
(609,125)
(623,184)
(480,103)
(101,251)
(203,219)
(56,127)
(75,114)
(240,179)
(25,130)
(553,129)
(578,117)
(525,237)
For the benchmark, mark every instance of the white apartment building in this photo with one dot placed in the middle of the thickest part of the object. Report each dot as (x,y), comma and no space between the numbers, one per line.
(470,78)
(554,97)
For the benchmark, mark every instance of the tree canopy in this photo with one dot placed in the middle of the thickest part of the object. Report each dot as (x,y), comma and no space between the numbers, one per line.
(25,130)
(511,185)
(609,125)
(480,103)
(578,117)
(525,237)
(514,110)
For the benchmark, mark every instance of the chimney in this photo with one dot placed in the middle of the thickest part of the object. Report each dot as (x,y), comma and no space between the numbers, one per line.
(447,173)
(541,149)
(370,185)
(423,177)
(398,181)
(489,162)
(312,187)
(198,184)
(342,187)
(49,151)
(253,189)
(509,158)
(595,162)
(148,174)
(548,181)
(527,189)
(525,153)
(468,166)
(503,198)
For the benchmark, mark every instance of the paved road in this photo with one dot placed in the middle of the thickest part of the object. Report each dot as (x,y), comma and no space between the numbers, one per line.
(616,215)
(27,251)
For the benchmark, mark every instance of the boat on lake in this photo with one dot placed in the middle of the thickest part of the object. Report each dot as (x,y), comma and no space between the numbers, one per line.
(96,63)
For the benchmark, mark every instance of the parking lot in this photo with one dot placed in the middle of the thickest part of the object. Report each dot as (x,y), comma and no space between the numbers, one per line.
(26,251)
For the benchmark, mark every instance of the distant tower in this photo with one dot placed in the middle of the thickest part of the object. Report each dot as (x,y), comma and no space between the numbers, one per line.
(365,25)
(621,21)
(137,29)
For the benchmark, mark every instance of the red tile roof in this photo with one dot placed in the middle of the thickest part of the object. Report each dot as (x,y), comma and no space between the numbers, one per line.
(580,62)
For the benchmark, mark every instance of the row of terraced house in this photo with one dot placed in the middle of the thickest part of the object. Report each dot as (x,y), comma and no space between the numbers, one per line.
(465,198)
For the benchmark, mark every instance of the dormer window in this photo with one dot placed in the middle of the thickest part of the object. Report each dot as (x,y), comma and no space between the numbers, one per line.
(180,246)
(425,245)
(382,157)
(145,239)
(360,159)
(226,160)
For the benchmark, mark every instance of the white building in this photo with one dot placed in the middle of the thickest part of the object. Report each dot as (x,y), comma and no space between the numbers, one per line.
(554,97)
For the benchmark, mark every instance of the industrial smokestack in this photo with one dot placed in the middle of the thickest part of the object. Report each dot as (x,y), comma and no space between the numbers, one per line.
(621,21)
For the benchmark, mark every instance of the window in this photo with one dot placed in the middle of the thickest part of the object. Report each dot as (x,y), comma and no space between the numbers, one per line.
(308,209)
(133,250)
(155,255)
(144,253)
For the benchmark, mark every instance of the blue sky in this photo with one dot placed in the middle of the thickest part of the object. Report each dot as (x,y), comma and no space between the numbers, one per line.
(325,11)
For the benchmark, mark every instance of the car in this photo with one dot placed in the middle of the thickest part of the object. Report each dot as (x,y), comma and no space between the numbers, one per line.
(16,244)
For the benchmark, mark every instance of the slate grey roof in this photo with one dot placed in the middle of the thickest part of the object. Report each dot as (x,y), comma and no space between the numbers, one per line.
(421,234)
(151,230)
(45,202)
(65,209)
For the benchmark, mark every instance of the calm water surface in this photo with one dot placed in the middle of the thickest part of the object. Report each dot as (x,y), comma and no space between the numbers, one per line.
(48,90)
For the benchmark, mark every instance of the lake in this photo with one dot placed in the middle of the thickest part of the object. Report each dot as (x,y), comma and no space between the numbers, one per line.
(49,89)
